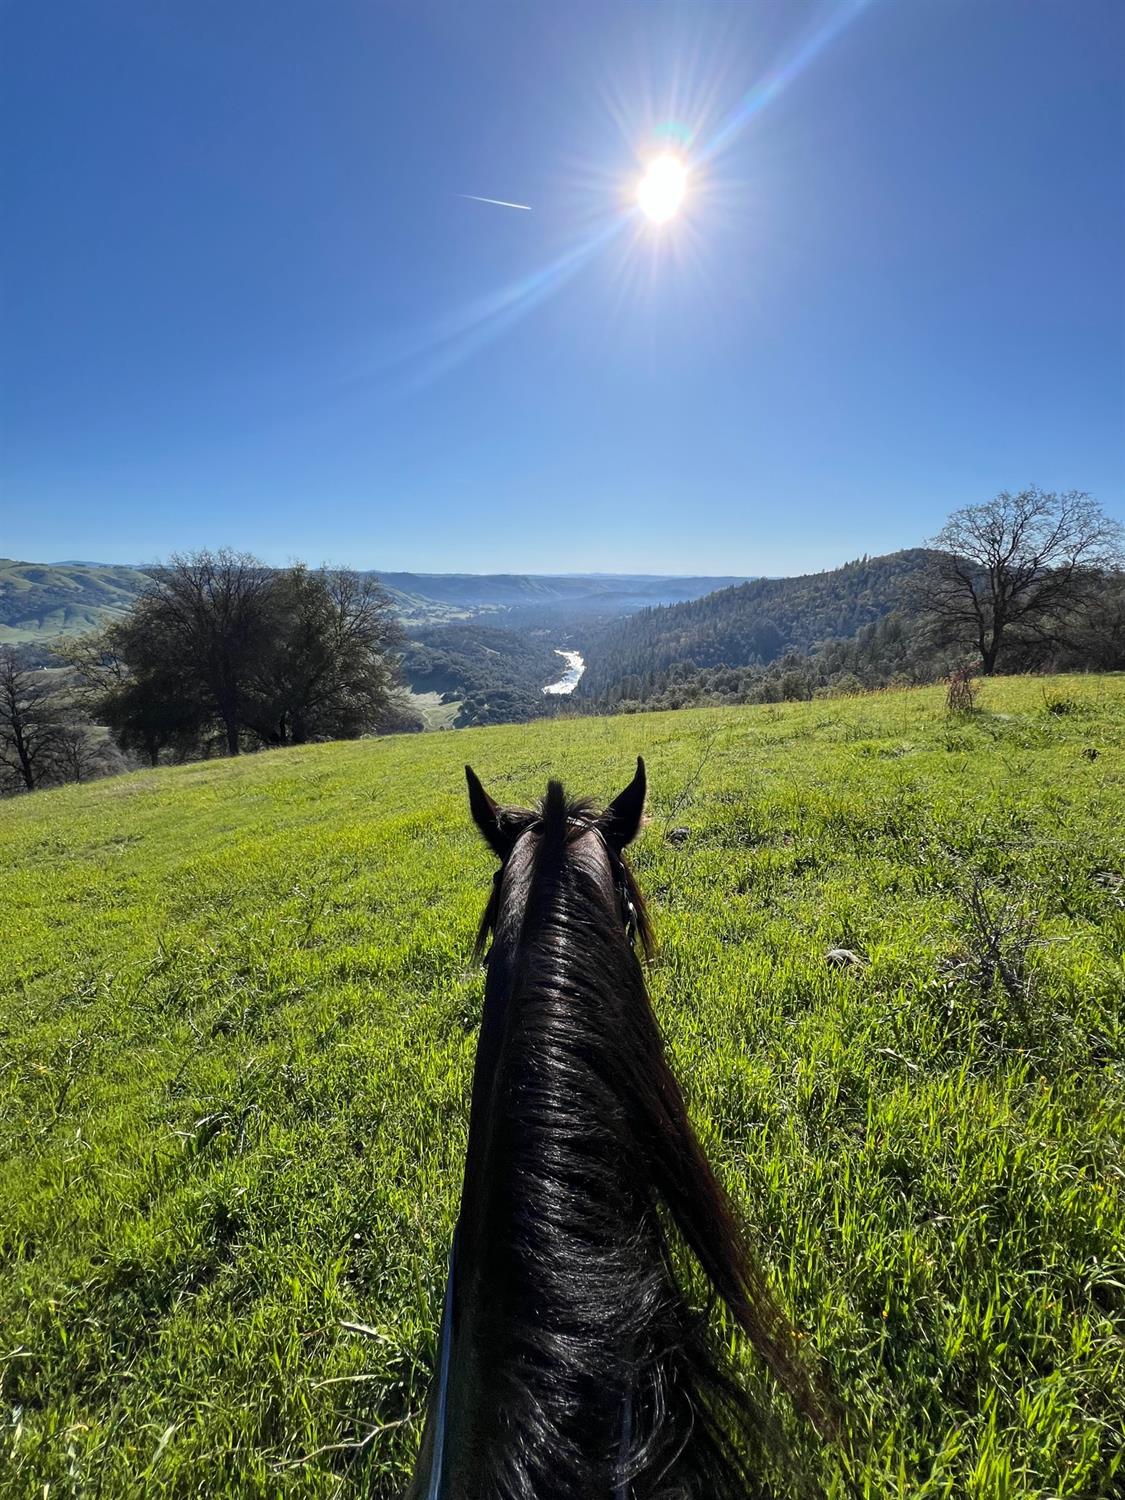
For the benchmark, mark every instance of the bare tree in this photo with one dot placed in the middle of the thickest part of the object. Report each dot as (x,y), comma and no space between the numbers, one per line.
(96,663)
(1017,568)
(29,724)
(82,753)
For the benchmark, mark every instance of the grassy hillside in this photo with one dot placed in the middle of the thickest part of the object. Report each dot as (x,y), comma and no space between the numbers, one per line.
(40,601)
(238,1022)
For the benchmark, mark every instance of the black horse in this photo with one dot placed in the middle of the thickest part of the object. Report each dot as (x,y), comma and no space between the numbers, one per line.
(573,1364)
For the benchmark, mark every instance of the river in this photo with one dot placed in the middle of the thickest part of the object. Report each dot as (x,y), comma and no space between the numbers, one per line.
(575,666)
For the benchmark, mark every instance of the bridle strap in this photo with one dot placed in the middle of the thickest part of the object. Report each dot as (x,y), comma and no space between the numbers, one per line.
(629,915)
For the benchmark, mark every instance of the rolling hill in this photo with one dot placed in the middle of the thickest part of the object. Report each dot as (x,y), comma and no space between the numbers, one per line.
(42,601)
(238,1017)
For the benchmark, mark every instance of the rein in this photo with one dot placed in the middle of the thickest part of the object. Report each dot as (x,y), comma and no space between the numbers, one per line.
(445,1357)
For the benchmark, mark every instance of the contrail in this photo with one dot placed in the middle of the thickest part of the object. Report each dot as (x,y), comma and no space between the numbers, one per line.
(499,202)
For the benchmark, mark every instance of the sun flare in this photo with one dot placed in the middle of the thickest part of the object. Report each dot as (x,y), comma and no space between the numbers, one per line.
(661,190)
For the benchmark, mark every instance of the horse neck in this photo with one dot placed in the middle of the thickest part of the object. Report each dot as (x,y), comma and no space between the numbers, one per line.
(578,1362)
(549,1285)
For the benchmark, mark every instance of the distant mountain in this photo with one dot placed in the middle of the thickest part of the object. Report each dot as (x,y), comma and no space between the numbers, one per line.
(40,601)
(431,598)
(754,622)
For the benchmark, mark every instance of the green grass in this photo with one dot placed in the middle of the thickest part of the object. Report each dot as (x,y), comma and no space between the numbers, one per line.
(237,1028)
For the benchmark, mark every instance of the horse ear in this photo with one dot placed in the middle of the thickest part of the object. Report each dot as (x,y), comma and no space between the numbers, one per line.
(486,815)
(621,821)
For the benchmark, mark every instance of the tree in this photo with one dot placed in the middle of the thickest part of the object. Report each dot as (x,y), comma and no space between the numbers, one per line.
(30,724)
(330,670)
(1017,568)
(1096,636)
(222,646)
(82,753)
(131,679)
(211,613)
(149,714)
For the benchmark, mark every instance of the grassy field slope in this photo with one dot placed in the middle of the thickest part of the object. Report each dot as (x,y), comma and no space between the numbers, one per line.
(238,1021)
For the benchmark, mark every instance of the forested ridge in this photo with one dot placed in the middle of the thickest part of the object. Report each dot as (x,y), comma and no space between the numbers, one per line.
(753,623)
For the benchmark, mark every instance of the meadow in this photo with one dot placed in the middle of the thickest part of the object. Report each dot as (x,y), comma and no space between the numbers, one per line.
(238,1016)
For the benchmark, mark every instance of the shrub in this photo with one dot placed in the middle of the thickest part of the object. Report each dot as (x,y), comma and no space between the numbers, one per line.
(961,694)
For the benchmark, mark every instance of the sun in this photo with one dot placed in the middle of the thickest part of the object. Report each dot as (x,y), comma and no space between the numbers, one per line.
(661,190)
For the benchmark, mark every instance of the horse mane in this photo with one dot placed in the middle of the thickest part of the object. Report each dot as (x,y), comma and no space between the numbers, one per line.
(593,1375)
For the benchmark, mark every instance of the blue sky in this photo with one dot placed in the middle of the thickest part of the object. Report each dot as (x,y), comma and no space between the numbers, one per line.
(243,303)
